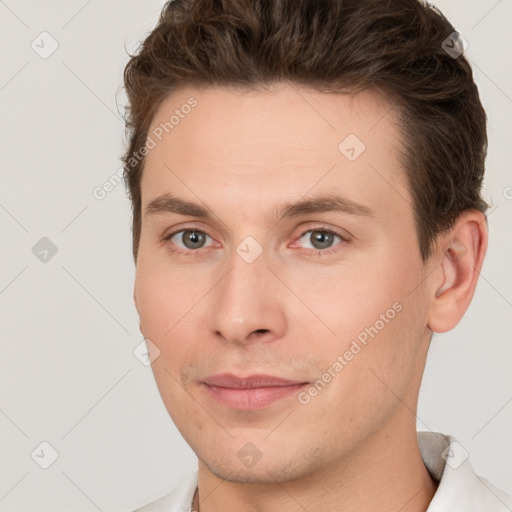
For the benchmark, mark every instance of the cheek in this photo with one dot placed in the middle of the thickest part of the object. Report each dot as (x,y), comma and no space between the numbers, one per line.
(343,301)
(164,294)
(369,317)
(363,383)
(168,302)
(162,305)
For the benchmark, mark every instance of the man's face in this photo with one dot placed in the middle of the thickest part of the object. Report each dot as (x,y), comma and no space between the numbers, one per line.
(272,281)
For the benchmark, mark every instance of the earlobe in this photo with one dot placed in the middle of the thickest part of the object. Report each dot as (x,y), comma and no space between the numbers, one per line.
(460,258)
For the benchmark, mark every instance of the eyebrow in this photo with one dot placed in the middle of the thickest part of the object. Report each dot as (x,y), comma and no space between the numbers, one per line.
(169,204)
(166,203)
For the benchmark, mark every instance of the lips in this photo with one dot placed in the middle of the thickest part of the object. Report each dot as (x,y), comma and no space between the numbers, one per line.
(227,380)
(251,392)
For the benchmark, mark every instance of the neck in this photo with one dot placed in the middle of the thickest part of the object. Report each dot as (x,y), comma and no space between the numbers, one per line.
(387,473)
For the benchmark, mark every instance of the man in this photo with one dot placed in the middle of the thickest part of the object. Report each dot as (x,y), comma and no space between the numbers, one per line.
(305,178)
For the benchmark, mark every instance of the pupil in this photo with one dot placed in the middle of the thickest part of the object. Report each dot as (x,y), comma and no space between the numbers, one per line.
(321,239)
(194,239)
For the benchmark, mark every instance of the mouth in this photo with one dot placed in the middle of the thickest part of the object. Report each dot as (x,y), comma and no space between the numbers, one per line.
(249,393)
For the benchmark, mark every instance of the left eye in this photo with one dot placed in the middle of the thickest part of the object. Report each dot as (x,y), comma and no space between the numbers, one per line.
(189,239)
(319,238)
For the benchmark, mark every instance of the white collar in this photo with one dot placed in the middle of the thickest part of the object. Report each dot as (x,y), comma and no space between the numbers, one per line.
(460,488)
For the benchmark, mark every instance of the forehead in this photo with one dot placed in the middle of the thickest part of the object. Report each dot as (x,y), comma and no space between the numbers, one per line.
(285,113)
(275,145)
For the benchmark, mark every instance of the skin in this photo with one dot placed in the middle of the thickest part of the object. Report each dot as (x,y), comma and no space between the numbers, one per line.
(293,311)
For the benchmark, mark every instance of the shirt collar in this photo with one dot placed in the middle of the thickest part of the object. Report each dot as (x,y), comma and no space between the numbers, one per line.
(460,489)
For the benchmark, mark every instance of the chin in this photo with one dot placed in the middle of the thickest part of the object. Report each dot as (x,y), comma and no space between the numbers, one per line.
(244,477)
(251,475)
(269,469)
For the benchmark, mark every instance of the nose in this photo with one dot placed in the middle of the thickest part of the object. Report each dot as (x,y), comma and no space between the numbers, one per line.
(248,304)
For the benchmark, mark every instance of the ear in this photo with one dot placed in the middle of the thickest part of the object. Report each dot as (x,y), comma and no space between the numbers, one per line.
(459,257)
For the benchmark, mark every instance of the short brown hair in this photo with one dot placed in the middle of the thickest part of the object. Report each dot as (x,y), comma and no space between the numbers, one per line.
(332,46)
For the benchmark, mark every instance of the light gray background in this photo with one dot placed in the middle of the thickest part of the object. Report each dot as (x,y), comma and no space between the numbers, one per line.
(68,327)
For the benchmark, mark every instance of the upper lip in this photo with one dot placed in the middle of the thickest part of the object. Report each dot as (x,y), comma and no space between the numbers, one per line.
(228,380)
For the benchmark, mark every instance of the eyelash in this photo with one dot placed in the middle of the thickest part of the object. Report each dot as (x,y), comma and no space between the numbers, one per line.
(316,252)
(328,251)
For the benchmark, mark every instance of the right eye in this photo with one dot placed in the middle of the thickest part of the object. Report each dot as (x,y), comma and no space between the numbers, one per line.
(189,239)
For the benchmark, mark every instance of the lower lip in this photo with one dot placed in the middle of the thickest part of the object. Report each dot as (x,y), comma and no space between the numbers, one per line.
(252,398)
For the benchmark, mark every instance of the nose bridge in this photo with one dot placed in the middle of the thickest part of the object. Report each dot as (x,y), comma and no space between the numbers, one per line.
(246,299)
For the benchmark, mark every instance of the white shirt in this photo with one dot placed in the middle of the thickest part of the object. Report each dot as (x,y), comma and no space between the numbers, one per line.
(460,489)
